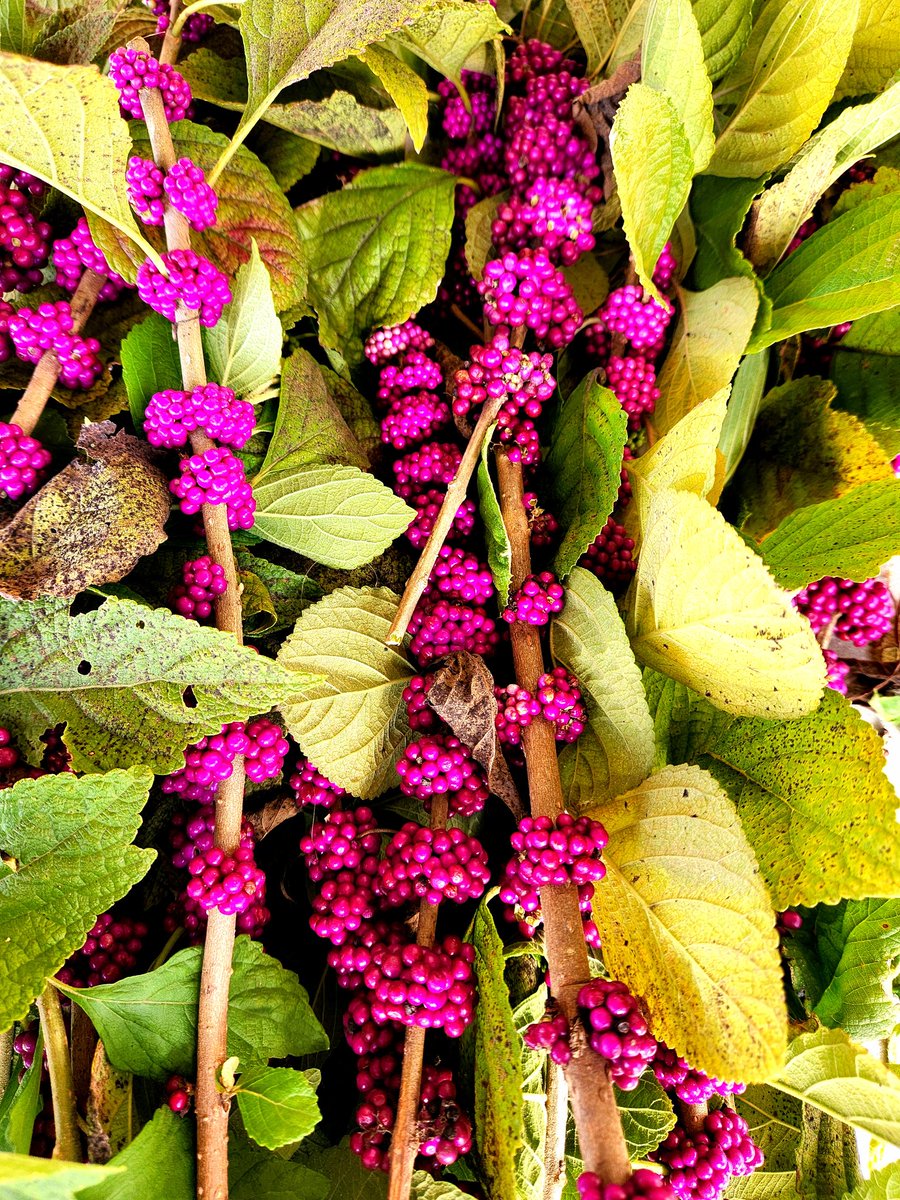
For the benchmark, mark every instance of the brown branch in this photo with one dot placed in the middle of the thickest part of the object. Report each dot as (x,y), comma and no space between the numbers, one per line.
(692,1116)
(404,1142)
(555,1139)
(171,45)
(593,1101)
(456,493)
(46,371)
(212,1106)
(6,1056)
(56,1046)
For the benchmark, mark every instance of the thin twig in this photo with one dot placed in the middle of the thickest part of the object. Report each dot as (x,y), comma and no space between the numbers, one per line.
(171,45)
(6,1056)
(212,1105)
(555,1140)
(593,1102)
(404,1143)
(456,493)
(56,1047)
(46,372)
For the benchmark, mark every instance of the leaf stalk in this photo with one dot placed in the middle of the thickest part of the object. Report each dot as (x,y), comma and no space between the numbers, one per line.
(62,1088)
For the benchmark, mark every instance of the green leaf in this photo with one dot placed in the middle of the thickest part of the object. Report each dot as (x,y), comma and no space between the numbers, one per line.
(69,838)
(615,752)
(713,329)
(21,1103)
(672,62)
(278,1105)
(597,25)
(859,947)
(353,725)
(376,249)
(743,408)
(647,1116)
(254,1173)
(881,1185)
(653,164)
(405,88)
(150,363)
(479,239)
(827,1158)
(290,593)
(445,35)
(868,385)
(782,83)
(339,516)
(588,281)
(877,333)
(775,1121)
(120,676)
(782,208)
(803,453)
(682,887)
(347,1178)
(499,550)
(704,609)
(719,209)
(496,1048)
(167,1139)
(724,28)
(824,1068)
(585,463)
(872,61)
(847,269)
(63,125)
(530,1170)
(148,1023)
(244,348)
(426,1187)
(24,1178)
(849,537)
(288,156)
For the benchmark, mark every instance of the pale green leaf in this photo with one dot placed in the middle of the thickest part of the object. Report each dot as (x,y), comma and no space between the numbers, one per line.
(874,51)
(352,725)
(859,948)
(704,610)
(775,1121)
(876,334)
(713,329)
(278,1105)
(724,27)
(597,24)
(244,348)
(782,83)
(850,537)
(585,463)
(148,1023)
(868,386)
(150,363)
(824,1068)
(647,1116)
(426,1187)
(881,1185)
(479,240)
(405,88)
(847,269)
(499,551)
(743,408)
(63,125)
(339,516)
(682,888)
(69,840)
(445,35)
(530,1170)
(764,1185)
(782,208)
(120,676)
(24,1178)
(653,165)
(672,61)
(377,250)
(589,639)
(166,1138)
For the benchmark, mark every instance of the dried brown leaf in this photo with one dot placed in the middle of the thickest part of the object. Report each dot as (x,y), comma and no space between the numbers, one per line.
(110,1116)
(595,110)
(272,814)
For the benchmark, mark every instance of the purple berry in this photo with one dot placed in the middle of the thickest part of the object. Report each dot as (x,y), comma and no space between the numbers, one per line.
(435,462)
(611,556)
(838,672)
(312,788)
(187,190)
(207,764)
(689,1084)
(230,882)
(215,477)
(860,613)
(439,629)
(641,323)
(342,857)
(417,372)
(23,461)
(427,506)
(496,370)
(617,1030)
(431,988)
(458,575)
(552,1035)
(144,181)
(538,597)
(559,700)
(131,70)
(202,580)
(432,865)
(73,255)
(527,289)
(267,748)
(554,215)
(172,416)
(666,266)
(552,853)
(24,240)
(633,380)
(385,344)
(516,709)
(439,764)
(544,526)
(191,281)
(420,714)
(111,951)
(413,418)
(702,1165)
(9,755)
(643,1185)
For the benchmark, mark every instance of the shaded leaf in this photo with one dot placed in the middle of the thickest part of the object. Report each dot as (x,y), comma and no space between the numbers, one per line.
(290,593)
(167,1139)
(278,1105)
(347,1178)
(110,1117)
(744,404)
(150,363)
(647,1116)
(719,209)
(479,239)
(254,1173)
(724,29)
(445,35)
(20,1104)
(859,948)
(499,550)
(672,61)
(288,156)
(405,88)
(244,347)
(867,386)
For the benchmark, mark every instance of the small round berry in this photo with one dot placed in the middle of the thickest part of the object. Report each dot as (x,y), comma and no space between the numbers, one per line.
(131,70)
(535,601)
(191,280)
(187,190)
(144,184)
(23,462)
(172,416)
(202,580)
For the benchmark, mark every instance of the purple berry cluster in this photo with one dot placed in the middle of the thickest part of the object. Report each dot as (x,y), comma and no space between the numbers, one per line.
(385,344)
(9,755)
(640,321)
(266,750)
(112,950)
(516,709)
(552,1035)
(187,191)
(215,477)
(702,1165)
(440,765)
(859,613)
(24,239)
(144,184)
(131,70)
(190,280)
(201,581)
(432,988)
(230,882)
(543,525)
(442,628)
(536,600)
(550,854)
(77,253)
(195,28)
(643,1185)
(611,556)
(431,463)
(207,764)
(34,332)
(23,461)
(690,1085)
(432,865)
(617,1030)
(311,788)
(633,380)
(526,289)
(342,857)
(458,575)
(172,416)
(558,698)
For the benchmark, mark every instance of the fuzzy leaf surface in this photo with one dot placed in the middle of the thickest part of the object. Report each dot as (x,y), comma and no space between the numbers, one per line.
(596,25)
(585,463)
(253,1172)
(244,348)
(166,1138)
(278,1105)
(376,249)
(653,164)
(682,887)
(71,839)
(150,363)
(148,1023)
(859,945)
(782,82)
(615,752)
(713,329)
(352,724)
(119,677)
(672,61)
(704,609)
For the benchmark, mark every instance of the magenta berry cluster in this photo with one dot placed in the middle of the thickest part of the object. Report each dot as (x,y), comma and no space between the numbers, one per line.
(702,1165)
(439,764)
(172,416)
(516,709)
(342,858)
(526,289)
(536,600)
(131,70)
(554,215)
(207,763)
(412,418)
(201,581)
(611,556)
(215,477)
(111,951)
(837,672)
(460,123)
(688,1083)
(144,184)
(23,461)
(312,788)
(617,1030)
(49,328)
(416,372)
(188,192)
(552,1035)
(432,865)
(640,321)
(9,755)
(385,344)
(642,1185)
(267,748)
(190,280)
(178,1094)
(230,882)
(432,463)
(441,628)
(552,853)
(77,253)
(419,713)
(633,381)
(458,575)
(558,697)
(859,613)
(24,239)
(498,369)
(666,266)
(432,988)
(427,505)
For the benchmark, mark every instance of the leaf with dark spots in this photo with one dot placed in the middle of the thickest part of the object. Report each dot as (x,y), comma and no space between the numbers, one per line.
(463,695)
(89,524)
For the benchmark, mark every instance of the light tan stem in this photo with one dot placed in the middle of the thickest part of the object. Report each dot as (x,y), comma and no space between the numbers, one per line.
(6,1056)
(171,46)
(555,1141)
(62,1090)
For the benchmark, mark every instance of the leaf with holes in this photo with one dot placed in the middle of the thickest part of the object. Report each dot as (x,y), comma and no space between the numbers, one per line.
(682,884)
(67,858)
(244,348)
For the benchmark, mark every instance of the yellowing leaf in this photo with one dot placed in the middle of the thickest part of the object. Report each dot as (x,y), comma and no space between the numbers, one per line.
(713,329)
(588,637)
(353,724)
(682,888)
(405,88)
(704,609)
(724,27)
(445,35)
(244,347)
(672,62)
(782,83)
(653,164)
(597,23)
(875,48)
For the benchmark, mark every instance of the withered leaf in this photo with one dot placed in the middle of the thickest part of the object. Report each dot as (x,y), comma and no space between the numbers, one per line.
(110,1109)
(272,814)
(594,112)
(463,695)
(89,524)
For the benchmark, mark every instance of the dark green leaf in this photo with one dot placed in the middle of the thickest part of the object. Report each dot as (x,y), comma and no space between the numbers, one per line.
(859,945)
(159,1164)
(150,363)
(255,1174)
(21,1104)
(499,551)
(868,386)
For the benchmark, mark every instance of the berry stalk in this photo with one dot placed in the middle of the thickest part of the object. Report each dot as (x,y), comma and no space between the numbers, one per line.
(212,1106)
(62,1088)
(594,1107)
(404,1143)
